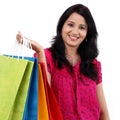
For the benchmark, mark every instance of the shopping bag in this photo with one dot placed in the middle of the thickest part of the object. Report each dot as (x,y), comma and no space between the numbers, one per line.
(53,107)
(31,108)
(14,81)
(31,105)
(42,101)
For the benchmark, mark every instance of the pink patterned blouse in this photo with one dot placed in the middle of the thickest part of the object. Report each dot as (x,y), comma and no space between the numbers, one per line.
(76,95)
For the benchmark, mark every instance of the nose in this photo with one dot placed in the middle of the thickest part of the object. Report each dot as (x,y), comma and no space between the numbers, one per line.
(75,31)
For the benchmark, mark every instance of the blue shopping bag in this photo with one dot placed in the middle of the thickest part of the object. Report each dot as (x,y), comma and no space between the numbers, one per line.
(31,108)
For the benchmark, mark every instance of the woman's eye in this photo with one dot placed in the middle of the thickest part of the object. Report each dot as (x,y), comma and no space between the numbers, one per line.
(82,28)
(71,25)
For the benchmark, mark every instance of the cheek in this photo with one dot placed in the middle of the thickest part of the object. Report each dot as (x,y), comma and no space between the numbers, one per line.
(64,33)
(64,30)
(84,34)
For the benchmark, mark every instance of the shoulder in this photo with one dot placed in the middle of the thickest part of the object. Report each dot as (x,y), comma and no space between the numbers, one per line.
(48,53)
(47,50)
(97,63)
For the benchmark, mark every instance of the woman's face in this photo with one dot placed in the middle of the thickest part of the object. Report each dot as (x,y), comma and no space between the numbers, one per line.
(74,30)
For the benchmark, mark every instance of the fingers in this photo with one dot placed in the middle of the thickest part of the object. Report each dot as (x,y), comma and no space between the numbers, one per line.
(19,37)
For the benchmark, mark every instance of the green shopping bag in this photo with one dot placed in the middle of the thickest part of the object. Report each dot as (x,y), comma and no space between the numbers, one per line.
(14,81)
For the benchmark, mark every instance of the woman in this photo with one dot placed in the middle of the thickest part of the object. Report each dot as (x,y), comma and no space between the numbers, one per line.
(73,70)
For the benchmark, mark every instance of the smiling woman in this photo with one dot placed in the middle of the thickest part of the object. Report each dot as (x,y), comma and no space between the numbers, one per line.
(73,70)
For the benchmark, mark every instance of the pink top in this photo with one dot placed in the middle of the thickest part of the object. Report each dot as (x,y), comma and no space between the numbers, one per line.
(76,95)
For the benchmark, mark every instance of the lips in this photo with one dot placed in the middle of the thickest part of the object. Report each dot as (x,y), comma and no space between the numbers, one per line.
(73,37)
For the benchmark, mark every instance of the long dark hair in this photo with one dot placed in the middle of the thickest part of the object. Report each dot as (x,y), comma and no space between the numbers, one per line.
(87,50)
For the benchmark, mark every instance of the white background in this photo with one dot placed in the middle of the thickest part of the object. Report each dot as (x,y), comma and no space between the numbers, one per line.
(37,20)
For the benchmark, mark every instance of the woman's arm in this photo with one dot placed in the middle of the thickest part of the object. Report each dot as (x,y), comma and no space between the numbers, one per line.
(104,115)
(38,49)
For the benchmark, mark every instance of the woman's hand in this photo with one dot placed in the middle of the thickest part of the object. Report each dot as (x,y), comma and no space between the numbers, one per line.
(35,46)
(19,37)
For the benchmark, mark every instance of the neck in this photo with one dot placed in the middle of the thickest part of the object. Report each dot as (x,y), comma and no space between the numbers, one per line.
(71,51)
(72,56)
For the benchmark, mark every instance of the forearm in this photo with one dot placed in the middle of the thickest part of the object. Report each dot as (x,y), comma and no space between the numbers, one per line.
(41,57)
(39,51)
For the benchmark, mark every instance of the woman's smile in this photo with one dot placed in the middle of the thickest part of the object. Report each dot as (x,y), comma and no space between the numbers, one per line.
(73,37)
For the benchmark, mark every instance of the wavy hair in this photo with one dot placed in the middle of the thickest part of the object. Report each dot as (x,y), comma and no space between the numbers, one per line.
(87,50)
